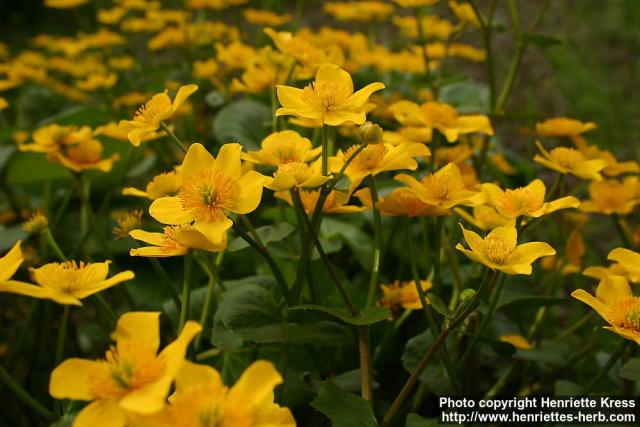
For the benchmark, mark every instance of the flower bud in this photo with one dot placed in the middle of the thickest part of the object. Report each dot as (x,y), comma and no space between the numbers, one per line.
(371,133)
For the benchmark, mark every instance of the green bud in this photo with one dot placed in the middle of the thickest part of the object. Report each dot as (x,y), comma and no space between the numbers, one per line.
(371,133)
(467,294)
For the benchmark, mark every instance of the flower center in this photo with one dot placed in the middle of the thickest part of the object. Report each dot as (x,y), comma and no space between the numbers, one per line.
(439,114)
(610,194)
(285,150)
(368,159)
(627,313)
(520,200)
(208,194)
(158,103)
(498,250)
(567,157)
(406,198)
(126,368)
(85,151)
(442,187)
(325,96)
(299,171)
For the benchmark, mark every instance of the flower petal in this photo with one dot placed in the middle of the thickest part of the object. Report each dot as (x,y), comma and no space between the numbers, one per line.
(228,160)
(10,263)
(251,184)
(141,326)
(169,210)
(196,160)
(612,288)
(101,413)
(72,379)
(256,384)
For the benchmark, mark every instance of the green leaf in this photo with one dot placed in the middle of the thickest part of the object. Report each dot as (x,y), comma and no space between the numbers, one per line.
(415,420)
(567,388)
(268,234)
(435,376)
(368,316)
(438,305)
(65,421)
(541,40)
(359,242)
(28,168)
(467,96)
(344,409)
(550,352)
(519,298)
(631,370)
(252,313)
(244,121)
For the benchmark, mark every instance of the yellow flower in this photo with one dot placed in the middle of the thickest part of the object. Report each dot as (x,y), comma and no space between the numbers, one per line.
(283,147)
(177,240)
(210,188)
(465,13)
(159,108)
(3,103)
(73,147)
(612,196)
(165,184)
(628,260)
(132,378)
(614,167)
(432,26)
(297,47)
(570,161)
(297,174)
(68,282)
(336,201)
(485,218)
(518,341)
(440,116)
(235,55)
(202,399)
(401,202)
(127,222)
(615,303)
(563,127)
(445,188)
(502,164)
(377,158)
(9,264)
(499,250)
(64,4)
(398,295)
(98,81)
(265,17)
(360,11)
(330,98)
(525,201)
(36,222)
(415,3)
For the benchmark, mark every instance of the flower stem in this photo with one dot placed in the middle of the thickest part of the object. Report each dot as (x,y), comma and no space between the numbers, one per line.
(486,319)
(213,280)
(576,326)
(62,334)
(186,291)
(419,12)
(325,149)
(160,271)
(607,367)
(437,241)
(173,136)
(366,381)
(624,236)
(23,395)
(48,237)
(377,243)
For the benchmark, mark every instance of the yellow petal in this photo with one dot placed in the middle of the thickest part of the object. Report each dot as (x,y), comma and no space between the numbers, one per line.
(228,160)
(508,235)
(336,76)
(518,341)
(105,284)
(562,203)
(529,252)
(629,259)
(169,210)
(141,326)
(72,379)
(593,302)
(145,236)
(10,263)
(27,289)
(191,374)
(214,231)
(183,93)
(291,98)
(251,185)
(196,160)
(93,273)
(358,99)
(101,413)
(337,118)
(132,191)
(256,383)
(158,251)
(612,288)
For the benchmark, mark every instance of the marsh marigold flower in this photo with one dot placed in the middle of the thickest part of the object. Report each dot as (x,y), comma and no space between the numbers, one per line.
(614,167)
(443,117)
(445,188)
(360,11)
(149,116)
(415,3)
(176,240)
(132,378)
(518,341)
(127,221)
(616,304)
(400,202)
(563,127)
(67,282)
(399,295)
(329,99)
(64,4)
(211,187)
(36,222)
(265,17)
(9,264)
(165,184)
(570,161)
(298,48)
(499,250)
(628,260)
(613,196)
(283,147)
(297,174)
(3,104)
(525,201)
(202,399)
(465,13)
(73,147)
(485,217)
(336,201)
(377,158)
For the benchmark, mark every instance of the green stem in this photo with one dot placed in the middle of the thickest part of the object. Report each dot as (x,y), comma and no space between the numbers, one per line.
(85,210)
(186,291)
(364,348)
(418,13)
(607,367)
(262,250)
(274,107)
(624,236)
(107,308)
(206,307)
(23,395)
(576,326)
(173,136)
(455,272)
(437,242)
(48,237)
(485,320)
(252,231)
(62,334)
(325,149)
(468,308)
(377,243)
